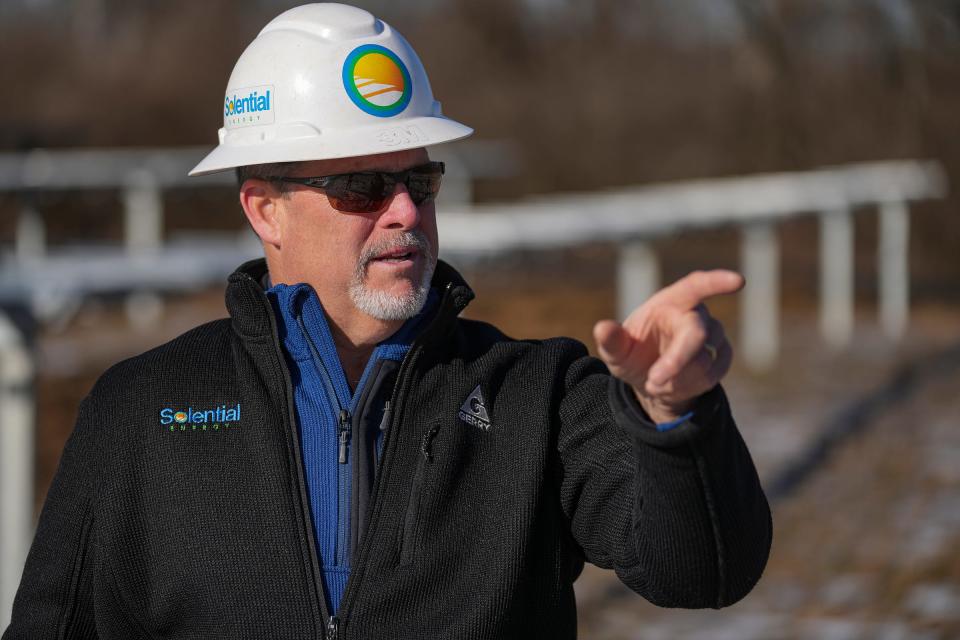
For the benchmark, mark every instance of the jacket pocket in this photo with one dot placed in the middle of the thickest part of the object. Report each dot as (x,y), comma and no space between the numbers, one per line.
(77,606)
(411,519)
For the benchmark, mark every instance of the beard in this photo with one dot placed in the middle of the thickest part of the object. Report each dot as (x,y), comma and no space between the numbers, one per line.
(387,306)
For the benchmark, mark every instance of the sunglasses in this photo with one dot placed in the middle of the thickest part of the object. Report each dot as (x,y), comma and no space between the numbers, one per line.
(369,191)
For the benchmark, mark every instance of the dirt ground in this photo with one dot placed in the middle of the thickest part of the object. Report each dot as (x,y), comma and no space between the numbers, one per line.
(868,548)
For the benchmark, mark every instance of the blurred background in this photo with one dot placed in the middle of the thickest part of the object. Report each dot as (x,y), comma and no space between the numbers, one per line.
(812,144)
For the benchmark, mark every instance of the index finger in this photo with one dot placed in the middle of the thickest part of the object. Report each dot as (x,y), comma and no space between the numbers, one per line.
(695,287)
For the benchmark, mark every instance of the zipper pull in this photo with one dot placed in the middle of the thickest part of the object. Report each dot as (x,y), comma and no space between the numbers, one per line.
(426,443)
(333,626)
(385,421)
(344,435)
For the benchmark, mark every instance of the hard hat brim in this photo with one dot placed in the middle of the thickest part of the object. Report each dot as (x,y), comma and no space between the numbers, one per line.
(411,133)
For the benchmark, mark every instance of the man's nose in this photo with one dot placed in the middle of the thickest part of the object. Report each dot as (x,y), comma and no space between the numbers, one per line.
(401,211)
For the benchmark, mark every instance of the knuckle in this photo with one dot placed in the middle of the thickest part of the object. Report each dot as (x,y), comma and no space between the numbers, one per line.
(692,279)
(615,363)
(658,390)
(670,364)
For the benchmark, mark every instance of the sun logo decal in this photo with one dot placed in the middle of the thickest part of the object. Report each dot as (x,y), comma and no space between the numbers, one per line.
(180,417)
(377,81)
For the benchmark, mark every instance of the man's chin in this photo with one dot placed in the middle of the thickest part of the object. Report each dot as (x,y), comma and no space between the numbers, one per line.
(392,290)
(399,301)
(397,286)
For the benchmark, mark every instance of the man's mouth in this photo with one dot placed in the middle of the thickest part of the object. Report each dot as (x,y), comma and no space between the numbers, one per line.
(398,254)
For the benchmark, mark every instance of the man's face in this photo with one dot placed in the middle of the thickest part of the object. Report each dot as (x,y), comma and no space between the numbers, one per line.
(380,263)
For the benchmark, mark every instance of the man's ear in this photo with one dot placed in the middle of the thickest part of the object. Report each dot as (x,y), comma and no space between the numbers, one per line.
(261,202)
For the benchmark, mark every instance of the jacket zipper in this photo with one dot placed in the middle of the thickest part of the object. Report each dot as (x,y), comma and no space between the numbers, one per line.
(344,431)
(343,491)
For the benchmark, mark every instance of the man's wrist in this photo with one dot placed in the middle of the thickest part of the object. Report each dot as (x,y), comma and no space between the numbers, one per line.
(662,413)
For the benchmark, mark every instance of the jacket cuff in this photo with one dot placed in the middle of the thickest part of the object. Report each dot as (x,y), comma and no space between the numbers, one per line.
(704,416)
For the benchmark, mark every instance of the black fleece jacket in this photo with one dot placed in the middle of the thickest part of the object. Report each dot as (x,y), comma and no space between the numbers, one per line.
(198,529)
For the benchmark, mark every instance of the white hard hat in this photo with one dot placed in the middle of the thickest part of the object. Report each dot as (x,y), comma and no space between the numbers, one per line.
(326,81)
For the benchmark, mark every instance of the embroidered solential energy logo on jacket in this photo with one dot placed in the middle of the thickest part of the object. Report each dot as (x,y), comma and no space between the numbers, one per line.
(248,106)
(219,417)
(377,81)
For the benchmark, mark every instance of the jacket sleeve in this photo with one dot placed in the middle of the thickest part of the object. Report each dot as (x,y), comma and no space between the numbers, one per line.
(679,514)
(54,599)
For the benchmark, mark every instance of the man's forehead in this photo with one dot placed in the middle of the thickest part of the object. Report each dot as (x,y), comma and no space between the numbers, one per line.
(393,161)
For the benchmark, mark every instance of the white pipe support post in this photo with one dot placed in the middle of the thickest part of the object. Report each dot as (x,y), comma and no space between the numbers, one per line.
(143,212)
(31,235)
(893,268)
(143,217)
(638,276)
(836,277)
(17,415)
(760,307)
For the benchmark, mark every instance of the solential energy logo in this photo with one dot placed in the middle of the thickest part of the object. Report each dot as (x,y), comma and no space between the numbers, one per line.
(377,81)
(220,417)
(249,106)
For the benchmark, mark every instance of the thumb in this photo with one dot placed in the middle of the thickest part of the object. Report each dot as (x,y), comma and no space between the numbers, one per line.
(614,345)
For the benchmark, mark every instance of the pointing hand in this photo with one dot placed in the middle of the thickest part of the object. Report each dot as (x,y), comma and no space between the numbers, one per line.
(670,349)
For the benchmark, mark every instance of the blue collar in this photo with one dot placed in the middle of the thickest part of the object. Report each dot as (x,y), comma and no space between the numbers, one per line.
(302,321)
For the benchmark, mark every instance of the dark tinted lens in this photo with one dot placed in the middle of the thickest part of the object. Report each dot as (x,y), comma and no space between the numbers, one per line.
(359,192)
(367,192)
(424,185)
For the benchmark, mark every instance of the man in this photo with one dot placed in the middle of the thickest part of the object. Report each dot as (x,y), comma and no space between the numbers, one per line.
(347,458)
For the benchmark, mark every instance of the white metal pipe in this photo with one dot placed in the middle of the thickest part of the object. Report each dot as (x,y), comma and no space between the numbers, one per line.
(654,210)
(836,277)
(638,276)
(760,307)
(16,462)
(893,268)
